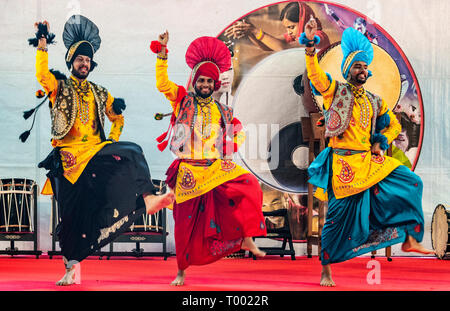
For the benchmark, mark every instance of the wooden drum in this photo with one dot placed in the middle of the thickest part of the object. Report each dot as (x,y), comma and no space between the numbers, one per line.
(440,232)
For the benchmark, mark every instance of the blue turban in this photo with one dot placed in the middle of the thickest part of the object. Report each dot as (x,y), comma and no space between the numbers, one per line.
(355,47)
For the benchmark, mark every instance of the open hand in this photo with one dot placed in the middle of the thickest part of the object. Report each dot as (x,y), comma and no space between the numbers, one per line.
(239,30)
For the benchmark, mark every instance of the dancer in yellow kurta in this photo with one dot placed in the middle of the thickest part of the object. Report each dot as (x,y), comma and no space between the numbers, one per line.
(101,185)
(218,206)
(373,200)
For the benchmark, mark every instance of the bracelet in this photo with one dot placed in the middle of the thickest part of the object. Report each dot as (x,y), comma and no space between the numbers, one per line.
(163,57)
(312,53)
(42,49)
(305,41)
(260,34)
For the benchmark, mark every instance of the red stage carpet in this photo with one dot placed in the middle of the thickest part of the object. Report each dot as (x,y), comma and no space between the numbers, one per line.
(22,273)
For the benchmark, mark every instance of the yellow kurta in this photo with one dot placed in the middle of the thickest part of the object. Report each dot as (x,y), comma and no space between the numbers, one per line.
(192,180)
(83,140)
(357,172)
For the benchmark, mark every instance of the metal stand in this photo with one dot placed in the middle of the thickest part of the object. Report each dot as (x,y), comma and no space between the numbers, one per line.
(283,233)
(313,134)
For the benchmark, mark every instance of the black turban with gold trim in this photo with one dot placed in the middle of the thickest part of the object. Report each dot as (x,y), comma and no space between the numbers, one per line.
(81,37)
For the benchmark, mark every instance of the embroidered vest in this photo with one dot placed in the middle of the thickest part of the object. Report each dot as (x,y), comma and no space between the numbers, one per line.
(65,107)
(338,115)
(184,124)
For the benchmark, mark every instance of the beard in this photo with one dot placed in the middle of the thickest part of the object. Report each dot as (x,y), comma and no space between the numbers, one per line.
(203,95)
(80,75)
(357,80)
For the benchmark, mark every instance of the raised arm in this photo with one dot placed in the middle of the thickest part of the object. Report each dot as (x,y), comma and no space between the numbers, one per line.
(318,77)
(170,89)
(45,78)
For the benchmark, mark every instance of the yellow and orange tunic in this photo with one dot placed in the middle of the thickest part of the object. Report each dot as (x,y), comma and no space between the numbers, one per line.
(354,172)
(194,180)
(83,140)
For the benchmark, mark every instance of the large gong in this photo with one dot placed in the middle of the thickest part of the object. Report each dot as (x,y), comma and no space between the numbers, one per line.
(270,103)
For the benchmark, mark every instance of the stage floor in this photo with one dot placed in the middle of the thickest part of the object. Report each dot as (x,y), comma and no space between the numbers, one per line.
(273,273)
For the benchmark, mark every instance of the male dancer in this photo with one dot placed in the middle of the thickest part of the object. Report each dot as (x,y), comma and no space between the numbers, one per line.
(101,185)
(218,206)
(373,200)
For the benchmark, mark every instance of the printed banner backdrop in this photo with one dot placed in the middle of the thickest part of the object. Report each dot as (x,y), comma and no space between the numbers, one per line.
(412,75)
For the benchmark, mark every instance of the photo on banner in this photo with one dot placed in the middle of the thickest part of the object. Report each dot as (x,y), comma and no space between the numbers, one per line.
(269,93)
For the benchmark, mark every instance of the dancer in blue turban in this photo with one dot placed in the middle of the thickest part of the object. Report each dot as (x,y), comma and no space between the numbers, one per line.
(373,200)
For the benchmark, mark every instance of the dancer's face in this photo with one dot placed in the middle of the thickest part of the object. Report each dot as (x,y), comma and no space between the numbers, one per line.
(291,28)
(204,86)
(358,73)
(81,66)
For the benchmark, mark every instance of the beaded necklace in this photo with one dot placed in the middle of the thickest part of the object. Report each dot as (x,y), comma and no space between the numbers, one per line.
(360,98)
(82,90)
(205,112)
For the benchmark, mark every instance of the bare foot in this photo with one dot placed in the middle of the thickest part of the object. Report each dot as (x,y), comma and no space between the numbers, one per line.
(325,277)
(411,245)
(179,280)
(69,278)
(249,245)
(155,203)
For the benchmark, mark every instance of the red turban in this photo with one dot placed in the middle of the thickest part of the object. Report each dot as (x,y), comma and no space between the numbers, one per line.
(207,69)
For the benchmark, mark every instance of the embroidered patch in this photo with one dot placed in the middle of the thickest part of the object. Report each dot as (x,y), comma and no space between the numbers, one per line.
(334,121)
(188,180)
(376,191)
(262,225)
(379,236)
(212,224)
(379,159)
(227,165)
(346,175)
(219,248)
(68,158)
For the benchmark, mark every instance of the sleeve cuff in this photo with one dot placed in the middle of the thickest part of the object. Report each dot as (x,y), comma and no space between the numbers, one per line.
(380,138)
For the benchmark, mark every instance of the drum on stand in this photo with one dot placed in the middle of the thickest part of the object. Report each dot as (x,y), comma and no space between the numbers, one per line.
(18,215)
(440,232)
(16,205)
